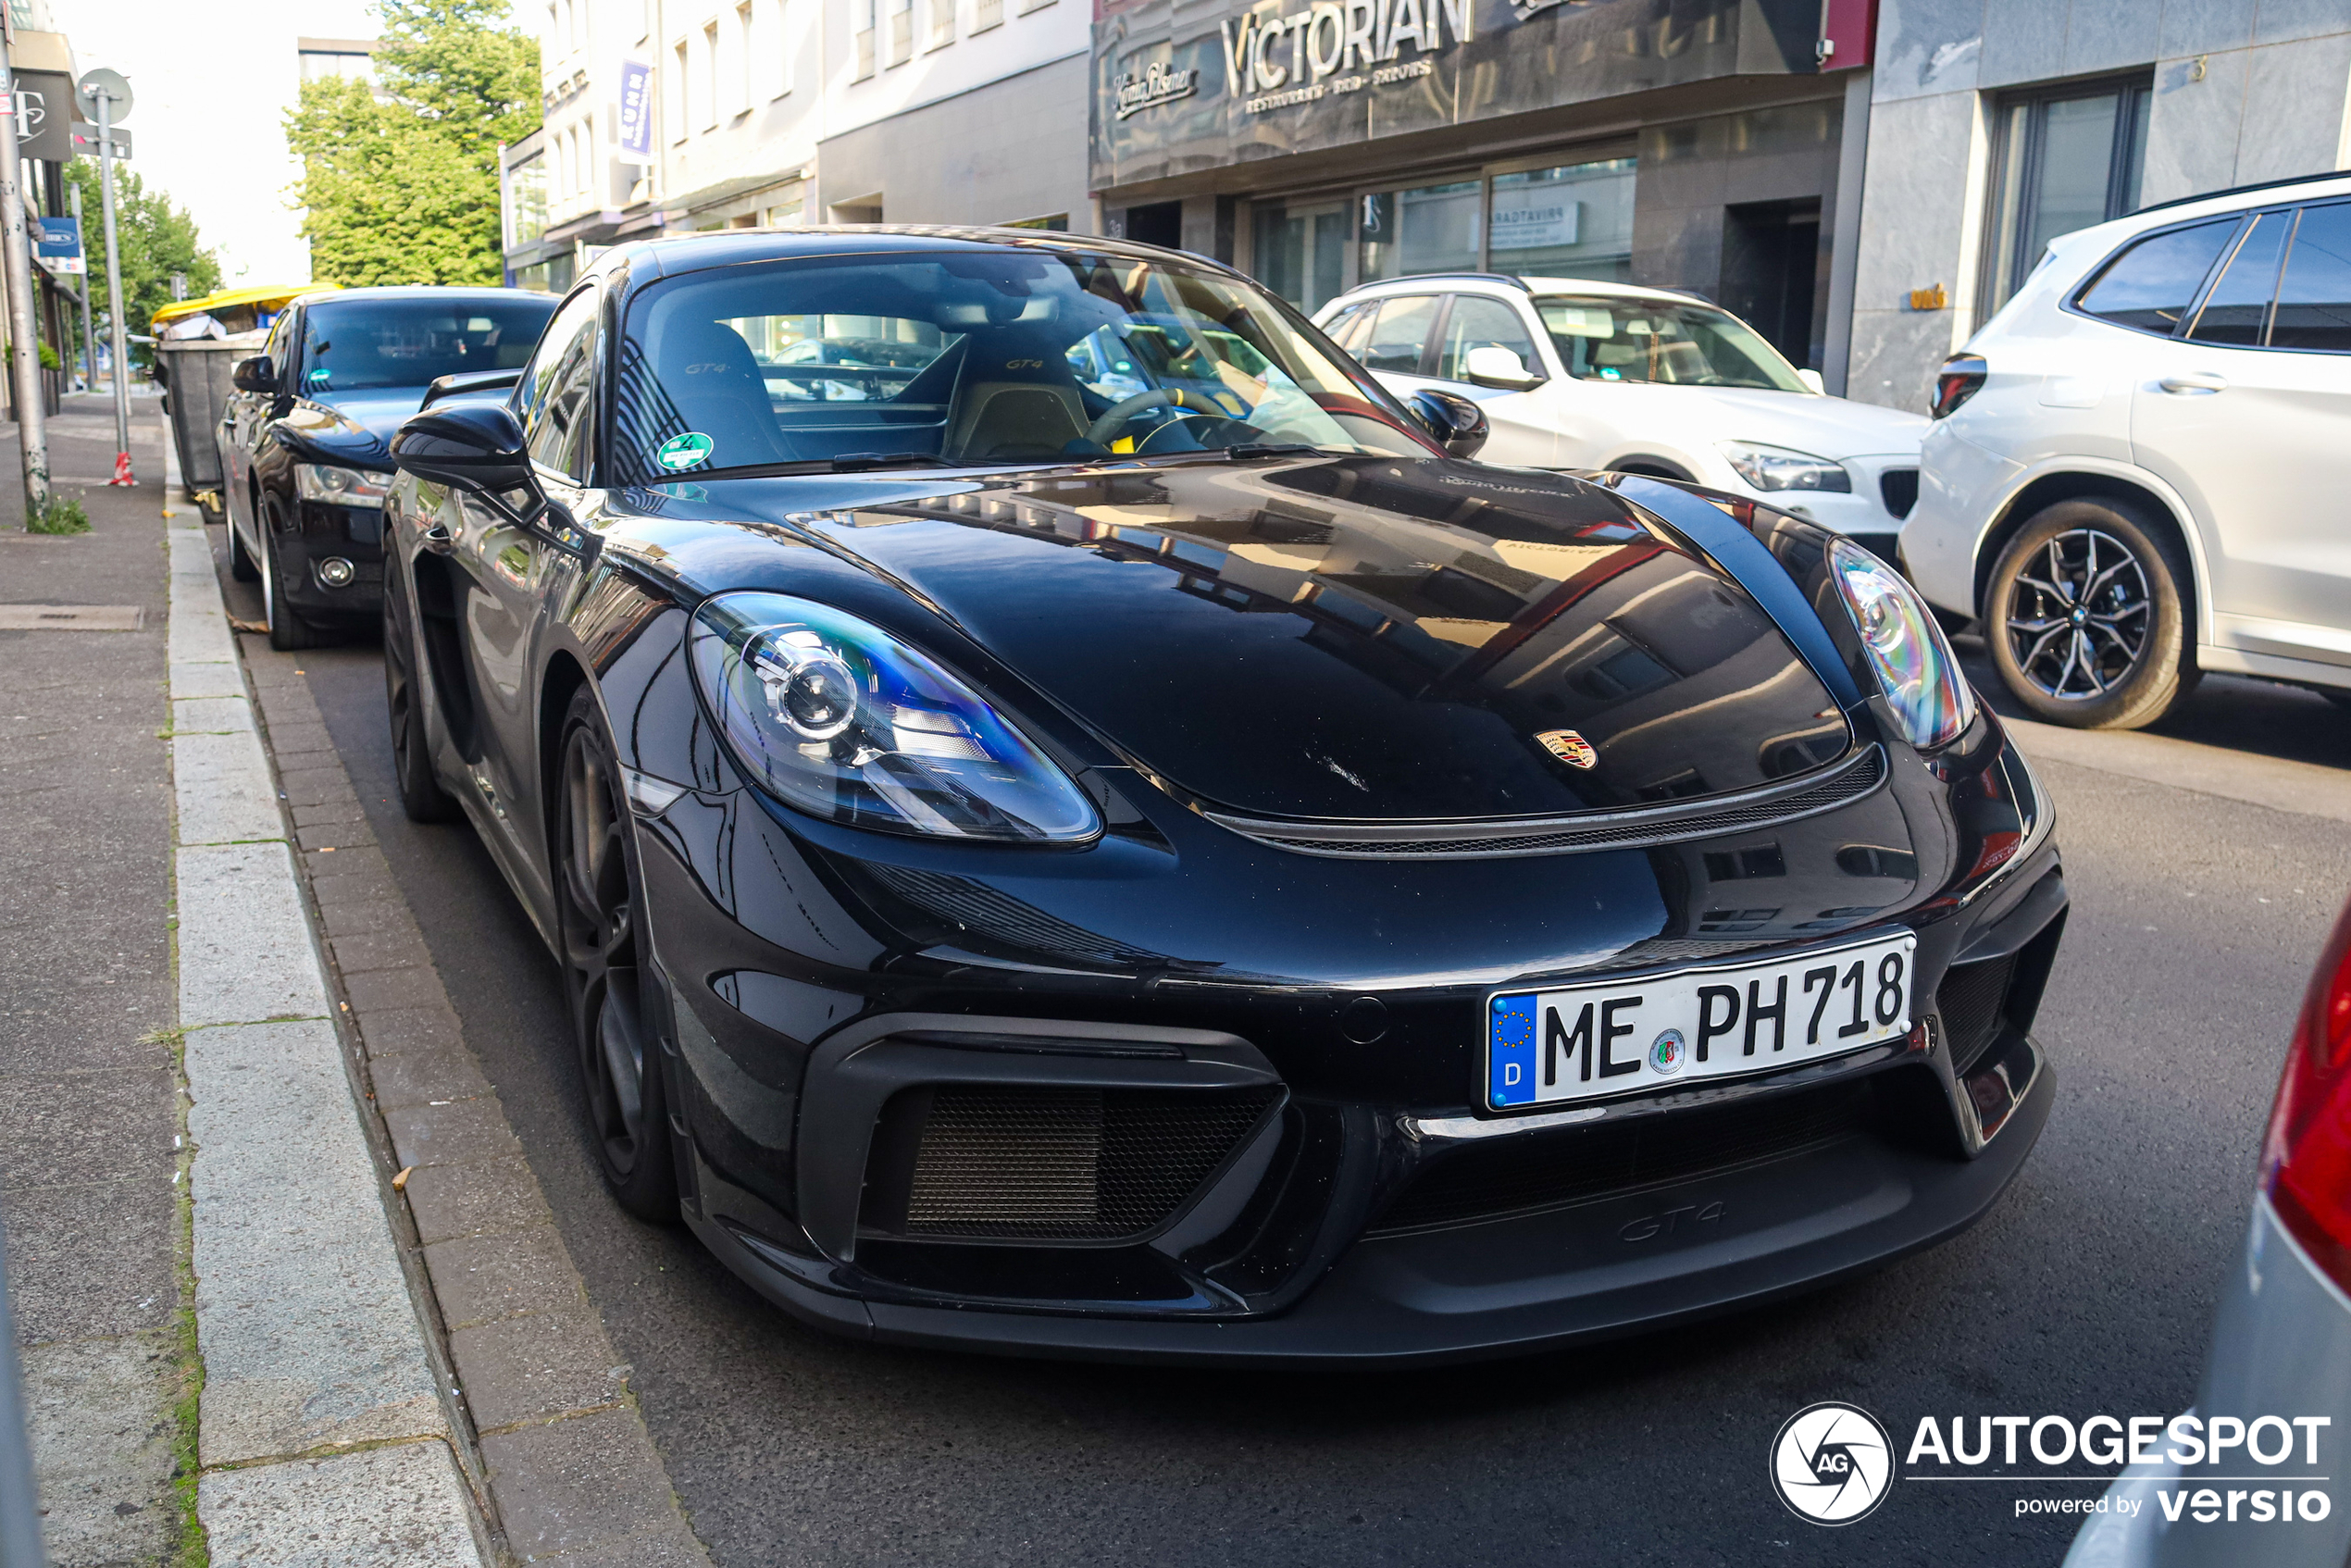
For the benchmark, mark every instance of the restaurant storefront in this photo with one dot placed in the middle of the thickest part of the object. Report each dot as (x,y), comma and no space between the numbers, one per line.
(1684,144)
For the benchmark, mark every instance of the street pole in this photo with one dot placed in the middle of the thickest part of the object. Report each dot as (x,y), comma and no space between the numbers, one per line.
(24,340)
(121,342)
(89,338)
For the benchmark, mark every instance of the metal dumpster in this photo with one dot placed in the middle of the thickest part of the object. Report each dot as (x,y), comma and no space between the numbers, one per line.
(194,372)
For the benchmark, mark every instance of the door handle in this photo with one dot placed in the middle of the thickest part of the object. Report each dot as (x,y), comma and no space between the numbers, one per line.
(2194,383)
(439,539)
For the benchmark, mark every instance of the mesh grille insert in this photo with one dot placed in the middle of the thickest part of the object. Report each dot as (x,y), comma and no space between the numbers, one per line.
(1969,999)
(1536,1170)
(1069,1163)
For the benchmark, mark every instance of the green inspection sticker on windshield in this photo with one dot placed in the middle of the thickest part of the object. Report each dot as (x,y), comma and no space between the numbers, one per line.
(680,453)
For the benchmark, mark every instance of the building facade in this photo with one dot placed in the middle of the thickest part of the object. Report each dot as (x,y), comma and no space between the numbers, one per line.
(1993,127)
(680,116)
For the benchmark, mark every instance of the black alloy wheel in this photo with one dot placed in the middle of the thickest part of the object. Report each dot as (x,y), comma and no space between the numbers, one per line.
(288,630)
(2085,617)
(240,565)
(421,796)
(603,939)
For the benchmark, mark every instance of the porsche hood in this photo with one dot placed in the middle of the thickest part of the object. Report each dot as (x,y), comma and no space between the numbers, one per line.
(1367,638)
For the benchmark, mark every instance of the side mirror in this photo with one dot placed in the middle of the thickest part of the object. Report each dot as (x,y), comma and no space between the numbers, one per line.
(1812,378)
(476,446)
(254,375)
(1458,424)
(1491,365)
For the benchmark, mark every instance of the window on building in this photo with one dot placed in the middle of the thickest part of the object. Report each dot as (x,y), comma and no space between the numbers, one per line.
(676,94)
(1433,228)
(987,14)
(1572,221)
(902,32)
(2314,296)
(526,200)
(354,59)
(790,207)
(740,72)
(863,12)
(1028,5)
(708,119)
(1299,250)
(780,21)
(942,23)
(2064,159)
(2151,285)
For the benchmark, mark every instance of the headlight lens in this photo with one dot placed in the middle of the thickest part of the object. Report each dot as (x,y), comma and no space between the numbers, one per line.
(1915,665)
(1777,467)
(842,720)
(343,486)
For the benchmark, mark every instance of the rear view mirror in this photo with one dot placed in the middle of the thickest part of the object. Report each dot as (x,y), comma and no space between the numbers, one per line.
(1812,378)
(1458,424)
(1491,365)
(254,375)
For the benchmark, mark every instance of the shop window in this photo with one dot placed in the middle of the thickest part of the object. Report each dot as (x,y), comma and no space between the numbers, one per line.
(2065,159)
(1477,323)
(1299,250)
(1433,228)
(2314,298)
(1575,220)
(1157,223)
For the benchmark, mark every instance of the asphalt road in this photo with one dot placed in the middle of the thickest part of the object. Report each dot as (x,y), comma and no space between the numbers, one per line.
(2196,920)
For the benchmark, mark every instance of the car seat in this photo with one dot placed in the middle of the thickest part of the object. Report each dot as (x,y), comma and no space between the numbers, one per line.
(715,383)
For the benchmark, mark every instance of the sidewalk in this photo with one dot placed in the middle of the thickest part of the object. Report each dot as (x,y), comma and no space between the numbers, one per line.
(223,1353)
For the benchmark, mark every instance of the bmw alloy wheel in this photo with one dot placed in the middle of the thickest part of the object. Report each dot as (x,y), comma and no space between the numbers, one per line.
(2078,617)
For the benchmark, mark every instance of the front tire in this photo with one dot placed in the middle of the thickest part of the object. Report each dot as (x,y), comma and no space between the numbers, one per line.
(288,631)
(2086,617)
(604,942)
(421,796)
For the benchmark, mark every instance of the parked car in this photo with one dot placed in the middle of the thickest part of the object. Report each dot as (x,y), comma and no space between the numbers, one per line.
(2281,1343)
(304,458)
(2132,477)
(1202,872)
(1575,374)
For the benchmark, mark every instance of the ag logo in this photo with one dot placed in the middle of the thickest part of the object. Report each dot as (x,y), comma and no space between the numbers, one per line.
(1569,747)
(1832,1464)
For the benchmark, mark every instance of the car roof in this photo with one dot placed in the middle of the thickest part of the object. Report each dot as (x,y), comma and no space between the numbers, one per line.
(690,252)
(423,290)
(1503,284)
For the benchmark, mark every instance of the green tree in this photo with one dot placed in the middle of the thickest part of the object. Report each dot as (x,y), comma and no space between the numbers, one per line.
(400,179)
(155,239)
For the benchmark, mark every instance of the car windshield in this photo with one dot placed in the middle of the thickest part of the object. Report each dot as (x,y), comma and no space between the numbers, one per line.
(1608,338)
(977,357)
(352,344)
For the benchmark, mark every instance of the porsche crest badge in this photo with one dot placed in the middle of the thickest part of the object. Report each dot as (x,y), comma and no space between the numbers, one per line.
(1569,747)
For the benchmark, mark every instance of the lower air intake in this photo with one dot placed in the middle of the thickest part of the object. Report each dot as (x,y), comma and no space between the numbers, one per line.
(1534,1171)
(1970,999)
(1046,1163)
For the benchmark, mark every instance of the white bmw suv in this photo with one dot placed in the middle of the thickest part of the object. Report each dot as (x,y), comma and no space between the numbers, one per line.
(2133,473)
(1575,374)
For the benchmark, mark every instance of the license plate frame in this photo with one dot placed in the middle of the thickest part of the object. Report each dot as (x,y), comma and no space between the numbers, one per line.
(1574,1044)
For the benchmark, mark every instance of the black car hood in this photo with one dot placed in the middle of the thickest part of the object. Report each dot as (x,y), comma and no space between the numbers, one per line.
(1354,639)
(354,428)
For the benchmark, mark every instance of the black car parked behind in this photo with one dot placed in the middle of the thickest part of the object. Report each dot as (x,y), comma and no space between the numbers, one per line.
(303,454)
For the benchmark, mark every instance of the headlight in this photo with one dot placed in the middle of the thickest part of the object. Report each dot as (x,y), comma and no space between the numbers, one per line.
(1775,468)
(344,487)
(842,720)
(1915,665)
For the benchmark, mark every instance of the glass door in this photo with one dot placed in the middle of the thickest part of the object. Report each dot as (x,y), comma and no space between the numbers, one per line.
(1299,250)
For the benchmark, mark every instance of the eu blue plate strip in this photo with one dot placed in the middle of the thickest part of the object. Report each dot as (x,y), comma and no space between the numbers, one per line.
(1510,1053)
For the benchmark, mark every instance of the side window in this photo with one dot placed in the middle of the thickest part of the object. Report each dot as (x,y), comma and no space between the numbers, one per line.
(1345,322)
(2237,309)
(2151,285)
(1397,333)
(2314,298)
(1477,322)
(279,346)
(555,395)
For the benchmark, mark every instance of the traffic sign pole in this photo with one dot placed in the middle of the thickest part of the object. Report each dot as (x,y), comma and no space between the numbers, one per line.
(89,337)
(102,94)
(24,343)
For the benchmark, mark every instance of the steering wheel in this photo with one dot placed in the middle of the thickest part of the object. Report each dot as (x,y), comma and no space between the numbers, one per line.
(1123,412)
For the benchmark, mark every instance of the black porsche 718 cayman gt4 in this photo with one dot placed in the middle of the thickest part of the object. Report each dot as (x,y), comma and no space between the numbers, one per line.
(1074,823)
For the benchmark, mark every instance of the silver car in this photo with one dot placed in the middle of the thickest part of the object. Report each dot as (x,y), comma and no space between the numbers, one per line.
(2281,1344)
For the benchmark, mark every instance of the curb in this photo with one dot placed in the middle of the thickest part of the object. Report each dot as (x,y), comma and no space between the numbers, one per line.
(322,1435)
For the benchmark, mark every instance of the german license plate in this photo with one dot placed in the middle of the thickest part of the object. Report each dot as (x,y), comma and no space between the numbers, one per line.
(1618,1036)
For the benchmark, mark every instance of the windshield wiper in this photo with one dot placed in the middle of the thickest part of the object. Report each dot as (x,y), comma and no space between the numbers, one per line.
(857,462)
(1279,449)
